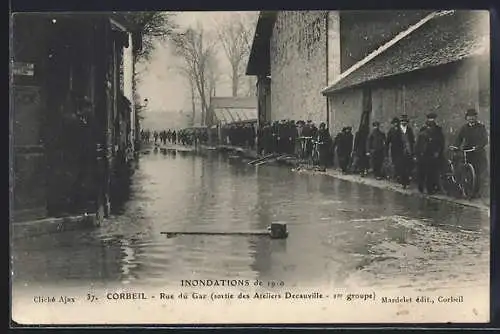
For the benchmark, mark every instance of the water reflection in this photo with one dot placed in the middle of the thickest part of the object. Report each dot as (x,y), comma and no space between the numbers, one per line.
(339,231)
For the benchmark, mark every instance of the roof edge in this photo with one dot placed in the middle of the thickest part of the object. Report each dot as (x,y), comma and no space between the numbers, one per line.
(261,29)
(384,47)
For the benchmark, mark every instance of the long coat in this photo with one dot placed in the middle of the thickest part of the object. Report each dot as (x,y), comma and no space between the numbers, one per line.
(344,143)
(430,142)
(395,144)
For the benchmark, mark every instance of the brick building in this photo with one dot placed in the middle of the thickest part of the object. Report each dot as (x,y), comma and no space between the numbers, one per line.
(296,54)
(439,64)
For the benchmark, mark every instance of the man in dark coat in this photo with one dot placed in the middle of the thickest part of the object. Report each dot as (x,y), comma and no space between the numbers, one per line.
(292,137)
(268,138)
(325,141)
(429,153)
(275,135)
(376,149)
(343,143)
(474,135)
(400,143)
(361,163)
(174,137)
(261,138)
(392,135)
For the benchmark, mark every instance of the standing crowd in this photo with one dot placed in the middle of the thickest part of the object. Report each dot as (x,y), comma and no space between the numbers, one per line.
(239,134)
(182,136)
(401,153)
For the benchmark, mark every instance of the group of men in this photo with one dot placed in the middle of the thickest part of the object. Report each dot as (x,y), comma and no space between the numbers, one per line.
(182,136)
(239,134)
(401,148)
(163,136)
(282,136)
(426,150)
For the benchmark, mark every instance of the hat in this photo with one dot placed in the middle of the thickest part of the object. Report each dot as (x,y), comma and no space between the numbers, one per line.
(395,120)
(404,118)
(432,115)
(471,112)
(375,123)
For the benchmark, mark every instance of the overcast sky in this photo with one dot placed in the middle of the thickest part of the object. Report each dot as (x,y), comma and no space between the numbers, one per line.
(166,90)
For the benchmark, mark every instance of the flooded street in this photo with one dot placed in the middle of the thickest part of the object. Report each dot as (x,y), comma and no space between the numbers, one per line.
(340,232)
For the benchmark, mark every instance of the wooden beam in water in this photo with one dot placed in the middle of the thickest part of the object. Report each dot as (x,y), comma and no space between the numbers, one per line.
(216,233)
(261,159)
(275,231)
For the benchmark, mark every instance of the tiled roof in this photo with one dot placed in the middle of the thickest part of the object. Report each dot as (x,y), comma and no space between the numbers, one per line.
(234,109)
(441,40)
(231,115)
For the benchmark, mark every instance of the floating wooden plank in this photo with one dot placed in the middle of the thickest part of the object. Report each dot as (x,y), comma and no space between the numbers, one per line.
(261,159)
(275,231)
(272,159)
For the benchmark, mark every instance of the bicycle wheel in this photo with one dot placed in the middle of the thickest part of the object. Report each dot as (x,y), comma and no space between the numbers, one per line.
(314,157)
(317,157)
(448,181)
(468,181)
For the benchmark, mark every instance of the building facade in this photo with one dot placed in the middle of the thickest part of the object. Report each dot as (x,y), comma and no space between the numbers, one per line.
(299,65)
(296,54)
(69,117)
(341,66)
(439,64)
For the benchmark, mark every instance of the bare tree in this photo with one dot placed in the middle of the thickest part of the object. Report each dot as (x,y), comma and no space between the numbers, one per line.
(235,36)
(184,72)
(198,54)
(153,27)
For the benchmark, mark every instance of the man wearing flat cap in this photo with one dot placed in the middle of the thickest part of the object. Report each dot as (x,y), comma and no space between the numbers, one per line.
(474,135)
(429,153)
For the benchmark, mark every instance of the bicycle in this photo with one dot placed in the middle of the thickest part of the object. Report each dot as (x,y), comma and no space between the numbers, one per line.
(459,178)
(315,156)
(303,147)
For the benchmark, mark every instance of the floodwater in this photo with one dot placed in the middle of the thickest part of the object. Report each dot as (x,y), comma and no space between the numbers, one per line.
(340,232)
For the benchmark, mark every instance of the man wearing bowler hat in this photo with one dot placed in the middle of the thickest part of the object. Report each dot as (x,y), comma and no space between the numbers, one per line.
(429,153)
(474,135)
(401,143)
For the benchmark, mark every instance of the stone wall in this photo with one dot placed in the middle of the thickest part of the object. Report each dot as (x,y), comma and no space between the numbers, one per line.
(299,66)
(345,109)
